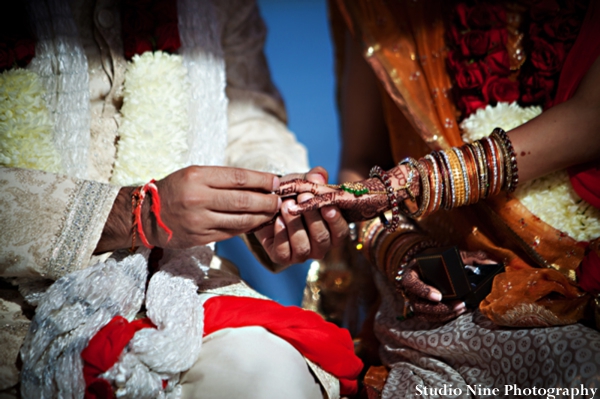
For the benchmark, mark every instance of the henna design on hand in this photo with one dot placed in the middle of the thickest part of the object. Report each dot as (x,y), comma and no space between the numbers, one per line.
(397,173)
(414,286)
(297,186)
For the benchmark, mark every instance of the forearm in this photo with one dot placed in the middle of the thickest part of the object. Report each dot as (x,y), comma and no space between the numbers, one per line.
(564,135)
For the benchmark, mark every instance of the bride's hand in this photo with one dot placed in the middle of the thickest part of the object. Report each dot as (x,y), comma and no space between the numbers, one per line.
(354,207)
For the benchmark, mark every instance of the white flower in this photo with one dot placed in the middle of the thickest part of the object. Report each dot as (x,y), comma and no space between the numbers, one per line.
(507,116)
(551,198)
(153,133)
(25,124)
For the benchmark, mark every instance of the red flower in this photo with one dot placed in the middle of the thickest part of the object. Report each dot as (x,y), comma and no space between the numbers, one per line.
(485,15)
(453,35)
(478,42)
(462,14)
(474,43)
(470,76)
(136,45)
(562,28)
(470,103)
(497,89)
(455,60)
(7,57)
(24,51)
(548,59)
(541,9)
(137,22)
(536,89)
(498,63)
(167,38)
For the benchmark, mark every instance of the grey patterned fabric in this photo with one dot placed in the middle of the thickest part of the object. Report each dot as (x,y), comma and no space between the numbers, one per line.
(472,351)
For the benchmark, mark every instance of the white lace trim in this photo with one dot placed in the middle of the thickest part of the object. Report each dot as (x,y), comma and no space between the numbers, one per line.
(60,62)
(203,58)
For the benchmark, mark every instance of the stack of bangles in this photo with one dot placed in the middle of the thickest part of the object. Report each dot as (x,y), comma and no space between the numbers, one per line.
(454,177)
(391,253)
(448,179)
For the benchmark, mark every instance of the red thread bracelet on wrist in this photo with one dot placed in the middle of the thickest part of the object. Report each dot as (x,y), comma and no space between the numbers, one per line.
(137,200)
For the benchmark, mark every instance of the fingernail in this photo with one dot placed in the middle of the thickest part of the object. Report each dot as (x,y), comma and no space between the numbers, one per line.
(330,213)
(291,208)
(459,307)
(279,202)
(280,223)
(276,183)
(435,296)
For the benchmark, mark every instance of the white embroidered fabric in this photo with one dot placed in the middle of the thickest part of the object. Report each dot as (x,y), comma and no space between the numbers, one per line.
(61,63)
(203,57)
(73,310)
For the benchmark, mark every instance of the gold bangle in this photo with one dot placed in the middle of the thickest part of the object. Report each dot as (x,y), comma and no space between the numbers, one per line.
(435,183)
(457,177)
(483,169)
(424,192)
(465,177)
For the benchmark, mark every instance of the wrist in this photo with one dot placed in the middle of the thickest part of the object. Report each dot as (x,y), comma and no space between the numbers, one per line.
(117,232)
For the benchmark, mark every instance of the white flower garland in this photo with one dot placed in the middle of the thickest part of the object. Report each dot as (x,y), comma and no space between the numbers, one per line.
(551,197)
(25,124)
(153,133)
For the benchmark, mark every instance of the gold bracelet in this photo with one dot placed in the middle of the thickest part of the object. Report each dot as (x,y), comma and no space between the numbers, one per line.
(457,176)
(465,177)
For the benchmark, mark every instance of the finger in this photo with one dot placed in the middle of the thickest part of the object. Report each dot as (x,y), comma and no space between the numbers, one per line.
(299,186)
(420,306)
(338,227)
(318,174)
(297,234)
(413,285)
(241,179)
(281,250)
(314,203)
(476,258)
(431,318)
(237,201)
(238,223)
(318,232)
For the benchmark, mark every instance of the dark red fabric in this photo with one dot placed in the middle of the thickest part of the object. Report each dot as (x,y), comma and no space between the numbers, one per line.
(104,350)
(585,180)
(588,273)
(322,342)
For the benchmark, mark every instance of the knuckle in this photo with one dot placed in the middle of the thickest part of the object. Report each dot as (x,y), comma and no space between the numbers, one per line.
(242,201)
(281,255)
(244,221)
(322,237)
(302,253)
(240,177)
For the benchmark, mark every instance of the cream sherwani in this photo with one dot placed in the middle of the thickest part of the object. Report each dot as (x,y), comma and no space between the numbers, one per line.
(50,223)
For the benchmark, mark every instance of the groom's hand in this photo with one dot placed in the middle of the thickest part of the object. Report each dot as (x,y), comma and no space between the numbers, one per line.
(200,204)
(294,239)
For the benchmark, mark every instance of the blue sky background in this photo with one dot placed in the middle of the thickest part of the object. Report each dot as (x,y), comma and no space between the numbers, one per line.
(300,56)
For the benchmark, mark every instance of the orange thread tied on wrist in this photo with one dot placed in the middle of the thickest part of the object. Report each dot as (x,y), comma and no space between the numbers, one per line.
(137,200)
